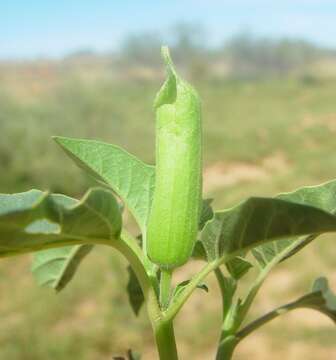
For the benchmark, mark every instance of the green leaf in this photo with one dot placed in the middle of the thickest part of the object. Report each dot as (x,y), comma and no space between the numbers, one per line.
(322,197)
(129,178)
(228,287)
(260,220)
(134,291)
(56,267)
(278,251)
(300,245)
(238,267)
(206,214)
(199,251)
(36,220)
(327,299)
(181,286)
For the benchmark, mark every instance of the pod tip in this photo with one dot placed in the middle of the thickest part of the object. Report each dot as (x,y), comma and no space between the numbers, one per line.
(167,93)
(167,59)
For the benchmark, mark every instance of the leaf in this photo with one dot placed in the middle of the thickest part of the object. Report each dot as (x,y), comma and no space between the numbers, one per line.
(129,178)
(327,299)
(265,253)
(321,196)
(278,251)
(135,294)
(36,220)
(199,251)
(56,267)
(300,245)
(206,214)
(181,286)
(238,267)
(260,220)
(228,287)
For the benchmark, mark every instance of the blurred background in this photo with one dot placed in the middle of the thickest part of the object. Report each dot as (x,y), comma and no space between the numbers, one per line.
(266,72)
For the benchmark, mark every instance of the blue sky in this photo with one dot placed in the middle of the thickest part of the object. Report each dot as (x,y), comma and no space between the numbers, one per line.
(35,28)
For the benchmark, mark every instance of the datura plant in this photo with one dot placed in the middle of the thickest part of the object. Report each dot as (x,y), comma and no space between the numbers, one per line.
(177,226)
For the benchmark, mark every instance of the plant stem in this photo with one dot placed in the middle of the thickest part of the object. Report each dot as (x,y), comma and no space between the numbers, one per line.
(254,289)
(177,304)
(165,340)
(221,282)
(165,283)
(162,327)
(255,324)
(226,348)
(228,341)
(132,252)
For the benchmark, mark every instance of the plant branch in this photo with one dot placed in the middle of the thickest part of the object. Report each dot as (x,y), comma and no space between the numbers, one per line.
(254,289)
(129,247)
(162,328)
(226,348)
(254,325)
(177,304)
(165,284)
(220,280)
(227,342)
(165,340)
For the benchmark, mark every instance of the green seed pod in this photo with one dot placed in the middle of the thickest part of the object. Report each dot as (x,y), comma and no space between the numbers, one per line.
(173,220)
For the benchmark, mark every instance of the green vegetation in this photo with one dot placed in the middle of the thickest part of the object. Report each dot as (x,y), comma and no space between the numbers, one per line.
(273,135)
(236,119)
(178,172)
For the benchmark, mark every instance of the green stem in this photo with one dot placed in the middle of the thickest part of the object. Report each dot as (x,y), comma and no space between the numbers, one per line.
(254,289)
(228,341)
(176,305)
(255,324)
(165,340)
(162,328)
(226,348)
(165,284)
(133,253)
(221,282)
